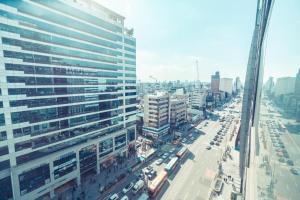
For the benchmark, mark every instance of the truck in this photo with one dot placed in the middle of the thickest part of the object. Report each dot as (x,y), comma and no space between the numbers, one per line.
(138,185)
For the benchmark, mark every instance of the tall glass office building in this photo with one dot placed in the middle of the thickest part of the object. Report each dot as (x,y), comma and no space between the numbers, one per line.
(68,94)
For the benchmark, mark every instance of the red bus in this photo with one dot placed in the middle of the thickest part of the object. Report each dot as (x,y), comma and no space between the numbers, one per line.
(157,183)
(182,152)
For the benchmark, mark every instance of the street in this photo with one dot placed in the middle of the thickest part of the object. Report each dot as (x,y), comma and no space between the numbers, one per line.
(196,174)
(280,182)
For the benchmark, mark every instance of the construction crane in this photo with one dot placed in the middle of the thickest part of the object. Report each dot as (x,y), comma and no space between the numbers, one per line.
(153,78)
(156,82)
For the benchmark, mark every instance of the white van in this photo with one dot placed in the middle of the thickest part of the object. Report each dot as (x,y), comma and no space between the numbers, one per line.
(138,185)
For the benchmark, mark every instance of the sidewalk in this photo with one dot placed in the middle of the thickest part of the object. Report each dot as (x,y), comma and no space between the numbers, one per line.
(109,179)
(230,171)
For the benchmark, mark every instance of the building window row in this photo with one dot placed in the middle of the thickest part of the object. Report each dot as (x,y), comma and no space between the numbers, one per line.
(42,37)
(64,164)
(32,103)
(130,42)
(130,49)
(42,13)
(72,11)
(63,81)
(54,138)
(114,125)
(33,116)
(33,69)
(34,58)
(25,21)
(63,124)
(41,48)
(64,90)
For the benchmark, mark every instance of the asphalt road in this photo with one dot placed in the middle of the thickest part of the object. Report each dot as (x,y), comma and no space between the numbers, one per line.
(194,178)
(286,185)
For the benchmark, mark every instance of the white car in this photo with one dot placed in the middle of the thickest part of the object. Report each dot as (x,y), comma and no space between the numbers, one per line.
(124,198)
(159,161)
(114,197)
(127,188)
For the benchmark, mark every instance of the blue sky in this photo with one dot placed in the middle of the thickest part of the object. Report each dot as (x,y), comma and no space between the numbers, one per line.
(171,35)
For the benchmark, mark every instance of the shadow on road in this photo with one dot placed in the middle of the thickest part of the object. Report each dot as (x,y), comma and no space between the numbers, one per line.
(190,156)
(162,191)
(292,128)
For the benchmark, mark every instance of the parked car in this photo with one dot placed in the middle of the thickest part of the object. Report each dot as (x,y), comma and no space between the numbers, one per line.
(127,188)
(159,154)
(290,163)
(137,186)
(114,197)
(141,175)
(208,147)
(147,171)
(152,175)
(159,161)
(150,168)
(295,171)
(124,198)
(165,155)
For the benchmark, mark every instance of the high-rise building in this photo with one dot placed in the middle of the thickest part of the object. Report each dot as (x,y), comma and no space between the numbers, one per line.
(156,115)
(226,85)
(198,98)
(178,111)
(238,85)
(215,82)
(68,94)
(269,85)
(284,85)
(297,84)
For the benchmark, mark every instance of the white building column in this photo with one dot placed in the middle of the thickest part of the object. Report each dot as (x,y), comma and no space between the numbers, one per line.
(98,160)
(51,167)
(78,178)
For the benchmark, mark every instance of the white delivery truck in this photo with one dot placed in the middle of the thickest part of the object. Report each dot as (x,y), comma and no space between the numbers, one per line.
(138,185)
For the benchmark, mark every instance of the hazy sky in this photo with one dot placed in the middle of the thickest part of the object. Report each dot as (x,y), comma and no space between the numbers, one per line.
(171,35)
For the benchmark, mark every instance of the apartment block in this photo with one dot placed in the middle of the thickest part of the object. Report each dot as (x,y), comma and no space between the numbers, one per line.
(156,115)
(178,111)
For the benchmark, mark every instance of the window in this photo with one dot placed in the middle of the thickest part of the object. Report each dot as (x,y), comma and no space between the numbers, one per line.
(2,119)
(34,178)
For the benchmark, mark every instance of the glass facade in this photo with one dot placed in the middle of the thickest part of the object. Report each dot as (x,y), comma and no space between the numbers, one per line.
(69,79)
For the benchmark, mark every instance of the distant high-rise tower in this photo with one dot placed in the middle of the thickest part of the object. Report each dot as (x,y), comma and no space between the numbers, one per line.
(297,84)
(215,82)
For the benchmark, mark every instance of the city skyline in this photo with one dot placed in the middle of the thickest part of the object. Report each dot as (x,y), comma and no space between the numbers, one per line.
(167,55)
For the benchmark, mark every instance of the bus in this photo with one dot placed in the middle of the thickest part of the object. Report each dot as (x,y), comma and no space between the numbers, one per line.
(157,183)
(171,166)
(182,152)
